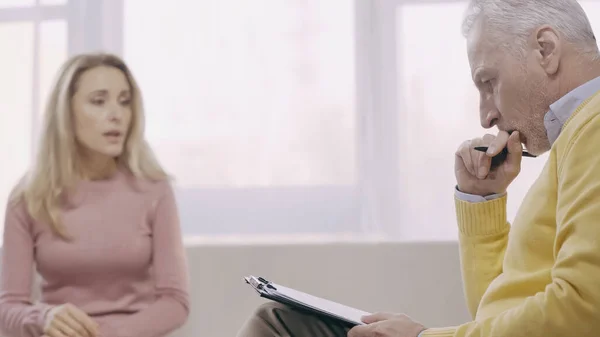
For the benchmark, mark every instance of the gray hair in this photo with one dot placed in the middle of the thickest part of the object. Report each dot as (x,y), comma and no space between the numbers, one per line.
(516,19)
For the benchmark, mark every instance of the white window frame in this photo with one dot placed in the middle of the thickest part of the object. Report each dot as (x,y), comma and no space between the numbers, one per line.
(87,30)
(95,25)
(377,118)
(35,14)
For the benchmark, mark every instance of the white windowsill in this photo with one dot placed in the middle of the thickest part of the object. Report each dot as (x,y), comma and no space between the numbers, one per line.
(298,239)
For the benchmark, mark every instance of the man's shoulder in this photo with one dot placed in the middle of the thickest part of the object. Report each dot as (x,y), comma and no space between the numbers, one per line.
(583,123)
(576,150)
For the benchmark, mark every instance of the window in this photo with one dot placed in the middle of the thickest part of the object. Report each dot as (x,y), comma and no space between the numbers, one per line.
(16,3)
(52,53)
(303,116)
(36,40)
(15,103)
(591,8)
(251,106)
(333,117)
(439,108)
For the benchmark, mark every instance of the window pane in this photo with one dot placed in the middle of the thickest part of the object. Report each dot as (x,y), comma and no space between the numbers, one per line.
(53,52)
(16,3)
(439,108)
(53,2)
(592,9)
(246,94)
(15,105)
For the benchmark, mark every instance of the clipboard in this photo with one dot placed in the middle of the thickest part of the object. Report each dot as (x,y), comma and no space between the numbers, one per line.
(300,300)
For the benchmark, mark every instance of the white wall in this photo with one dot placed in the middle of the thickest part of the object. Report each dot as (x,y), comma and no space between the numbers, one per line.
(419,279)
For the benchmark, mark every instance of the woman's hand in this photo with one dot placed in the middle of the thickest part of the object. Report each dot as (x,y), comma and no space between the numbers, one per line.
(69,321)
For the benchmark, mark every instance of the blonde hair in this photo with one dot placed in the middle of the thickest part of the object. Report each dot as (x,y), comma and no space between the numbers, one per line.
(56,166)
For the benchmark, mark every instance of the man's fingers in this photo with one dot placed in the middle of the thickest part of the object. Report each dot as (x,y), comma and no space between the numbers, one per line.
(498,143)
(380,316)
(483,166)
(464,153)
(359,331)
(515,153)
(488,139)
(514,143)
(478,158)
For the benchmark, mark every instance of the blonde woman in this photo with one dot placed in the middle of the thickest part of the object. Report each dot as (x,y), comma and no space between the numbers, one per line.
(96,216)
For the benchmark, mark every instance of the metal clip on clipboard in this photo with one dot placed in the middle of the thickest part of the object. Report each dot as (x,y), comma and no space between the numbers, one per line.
(259,283)
(300,300)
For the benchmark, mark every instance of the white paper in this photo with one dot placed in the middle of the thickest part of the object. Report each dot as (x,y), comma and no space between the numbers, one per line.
(340,310)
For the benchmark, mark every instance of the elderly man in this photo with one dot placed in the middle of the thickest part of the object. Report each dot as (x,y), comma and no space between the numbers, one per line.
(536,66)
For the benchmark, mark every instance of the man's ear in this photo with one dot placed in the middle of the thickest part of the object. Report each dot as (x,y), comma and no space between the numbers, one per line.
(548,49)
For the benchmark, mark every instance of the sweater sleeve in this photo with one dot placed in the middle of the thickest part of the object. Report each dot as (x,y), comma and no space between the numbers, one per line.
(570,304)
(19,316)
(171,307)
(483,236)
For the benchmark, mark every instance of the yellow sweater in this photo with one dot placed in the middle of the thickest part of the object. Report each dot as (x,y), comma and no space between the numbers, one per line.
(539,277)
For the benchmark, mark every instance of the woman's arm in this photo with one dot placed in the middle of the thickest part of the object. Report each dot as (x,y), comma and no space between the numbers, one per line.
(19,316)
(171,308)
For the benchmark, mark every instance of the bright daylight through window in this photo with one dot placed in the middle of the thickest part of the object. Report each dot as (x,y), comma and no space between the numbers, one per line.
(255,107)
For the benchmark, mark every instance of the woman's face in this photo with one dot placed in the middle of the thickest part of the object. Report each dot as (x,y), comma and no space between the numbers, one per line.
(102,112)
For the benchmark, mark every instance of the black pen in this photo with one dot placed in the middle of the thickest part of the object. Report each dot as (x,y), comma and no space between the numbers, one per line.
(501,157)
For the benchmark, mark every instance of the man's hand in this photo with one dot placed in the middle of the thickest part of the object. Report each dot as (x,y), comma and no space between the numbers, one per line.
(472,167)
(387,325)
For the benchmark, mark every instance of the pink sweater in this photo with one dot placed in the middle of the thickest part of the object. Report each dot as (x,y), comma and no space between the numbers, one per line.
(126,266)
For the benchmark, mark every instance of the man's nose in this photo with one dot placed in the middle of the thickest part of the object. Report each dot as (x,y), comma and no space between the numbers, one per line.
(488,120)
(488,116)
